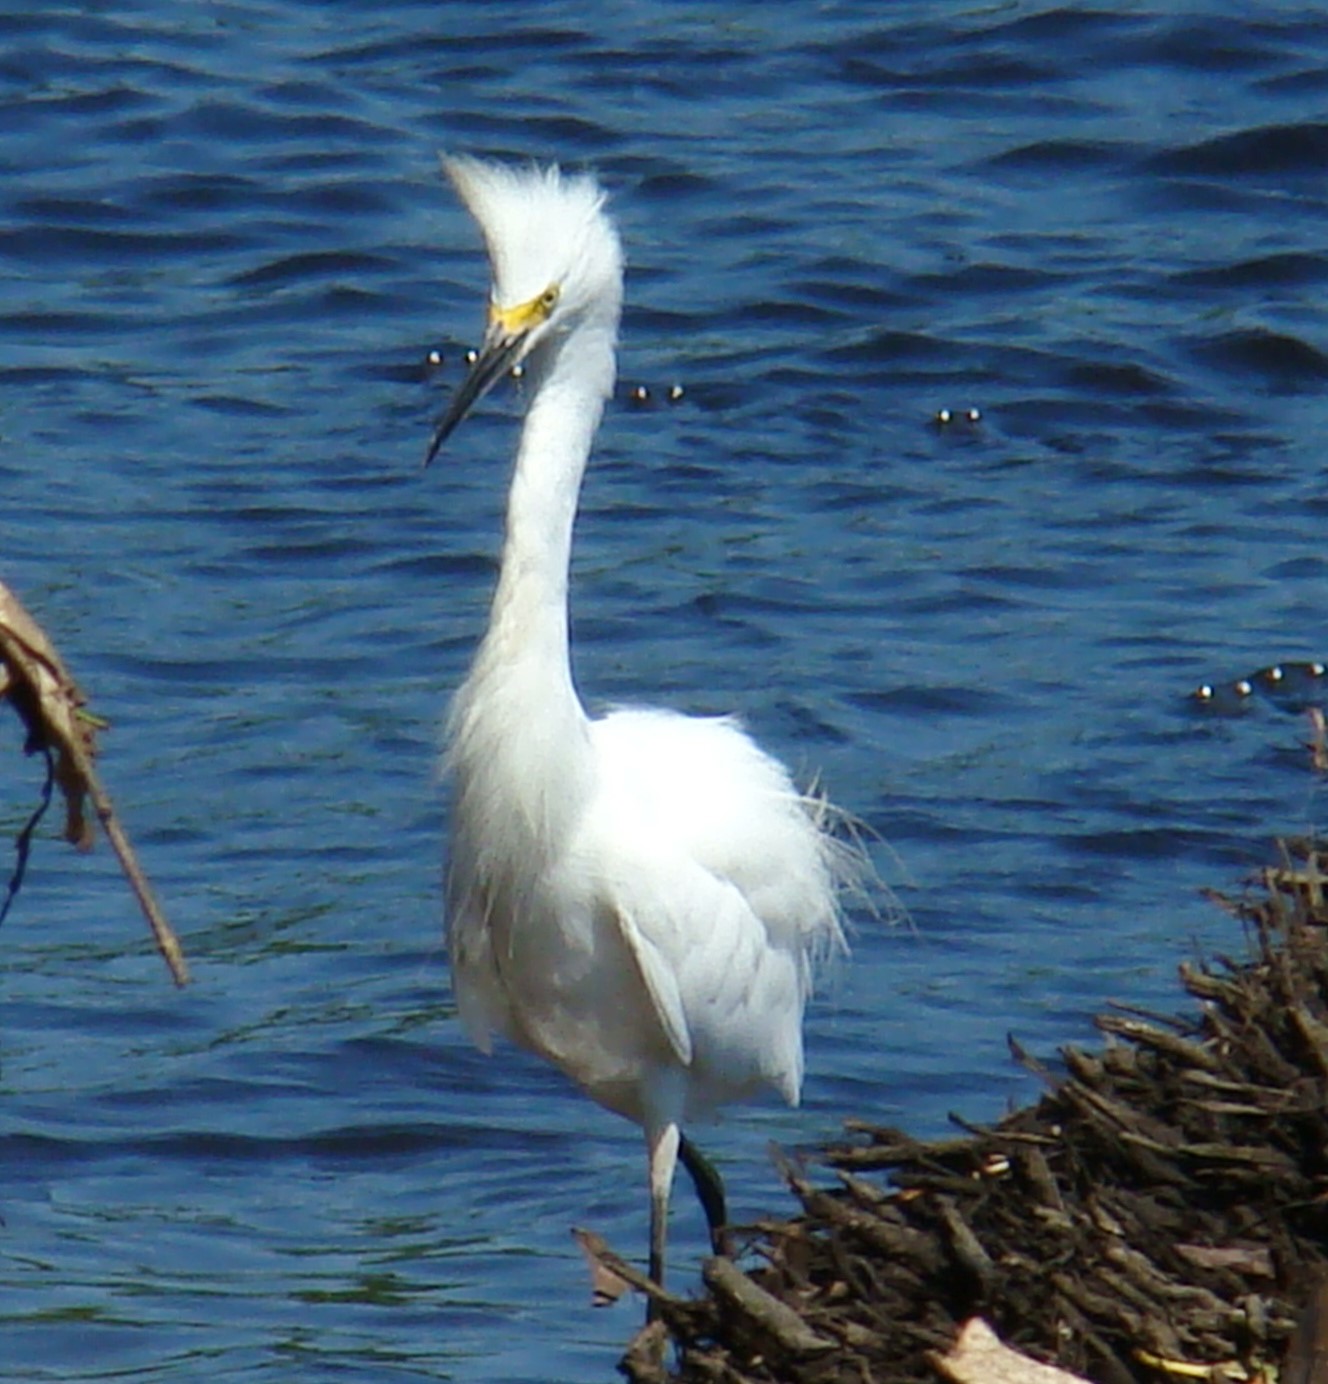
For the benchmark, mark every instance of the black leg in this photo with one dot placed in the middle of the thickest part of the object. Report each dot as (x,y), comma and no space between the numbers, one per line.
(709,1188)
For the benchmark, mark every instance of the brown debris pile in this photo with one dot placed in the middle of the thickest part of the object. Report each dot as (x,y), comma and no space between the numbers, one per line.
(1162,1213)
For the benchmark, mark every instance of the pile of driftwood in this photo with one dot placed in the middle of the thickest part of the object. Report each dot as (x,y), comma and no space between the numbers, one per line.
(1162,1213)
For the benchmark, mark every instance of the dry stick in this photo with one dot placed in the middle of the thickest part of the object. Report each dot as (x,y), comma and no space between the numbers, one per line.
(773,1318)
(162,933)
(1150,1036)
(50,708)
(596,1249)
(1318,744)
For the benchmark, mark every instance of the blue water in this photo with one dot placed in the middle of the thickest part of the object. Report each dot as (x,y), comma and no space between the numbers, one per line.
(225,253)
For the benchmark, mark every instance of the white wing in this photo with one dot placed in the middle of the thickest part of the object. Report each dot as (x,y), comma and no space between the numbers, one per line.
(703,788)
(660,982)
(722,881)
(737,999)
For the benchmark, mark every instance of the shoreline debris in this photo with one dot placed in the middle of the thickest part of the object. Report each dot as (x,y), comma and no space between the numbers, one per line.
(1161,1213)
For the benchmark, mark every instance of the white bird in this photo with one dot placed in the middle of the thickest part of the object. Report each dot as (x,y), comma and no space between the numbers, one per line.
(640,897)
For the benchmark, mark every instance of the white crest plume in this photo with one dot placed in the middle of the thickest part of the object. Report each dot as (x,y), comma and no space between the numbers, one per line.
(541,226)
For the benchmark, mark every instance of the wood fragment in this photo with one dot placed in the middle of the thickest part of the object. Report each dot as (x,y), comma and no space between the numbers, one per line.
(1034,1166)
(643,1362)
(978,1356)
(1253,1261)
(1307,1355)
(50,704)
(1149,1035)
(1318,741)
(1315,1035)
(601,1257)
(766,1314)
(53,709)
(964,1244)
(607,1285)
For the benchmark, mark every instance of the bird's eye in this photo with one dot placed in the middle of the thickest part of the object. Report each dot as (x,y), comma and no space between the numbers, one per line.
(549,298)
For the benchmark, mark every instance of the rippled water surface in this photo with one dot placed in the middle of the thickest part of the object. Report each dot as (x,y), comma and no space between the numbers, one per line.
(225,253)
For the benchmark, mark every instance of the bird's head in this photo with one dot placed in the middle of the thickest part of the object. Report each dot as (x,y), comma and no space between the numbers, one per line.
(556,260)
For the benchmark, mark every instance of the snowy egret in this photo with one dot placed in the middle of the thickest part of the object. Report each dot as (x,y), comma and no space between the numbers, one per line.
(640,898)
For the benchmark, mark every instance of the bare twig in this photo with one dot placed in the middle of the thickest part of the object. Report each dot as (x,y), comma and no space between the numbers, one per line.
(51,706)
(773,1319)
(1318,744)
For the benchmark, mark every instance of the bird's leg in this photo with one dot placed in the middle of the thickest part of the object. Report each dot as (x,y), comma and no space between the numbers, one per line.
(663,1148)
(709,1188)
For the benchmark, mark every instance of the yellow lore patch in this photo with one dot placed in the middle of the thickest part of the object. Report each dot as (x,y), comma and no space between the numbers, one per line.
(518,320)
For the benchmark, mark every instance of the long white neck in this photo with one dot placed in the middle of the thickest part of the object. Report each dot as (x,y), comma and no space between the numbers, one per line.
(528,620)
(518,729)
